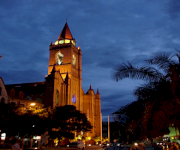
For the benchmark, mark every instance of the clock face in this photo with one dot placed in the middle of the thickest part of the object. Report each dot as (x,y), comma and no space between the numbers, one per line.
(73,60)
(74,98)
(59,58)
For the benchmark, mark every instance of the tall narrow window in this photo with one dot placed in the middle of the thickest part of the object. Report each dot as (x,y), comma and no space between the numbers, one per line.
(57,100)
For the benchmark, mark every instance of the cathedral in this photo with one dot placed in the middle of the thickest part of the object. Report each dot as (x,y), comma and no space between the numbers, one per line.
(62,85)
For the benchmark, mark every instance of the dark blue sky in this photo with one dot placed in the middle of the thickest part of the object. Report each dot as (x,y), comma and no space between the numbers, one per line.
(108,32)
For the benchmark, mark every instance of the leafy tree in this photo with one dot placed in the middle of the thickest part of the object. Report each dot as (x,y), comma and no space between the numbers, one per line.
(159,97)
(14,123)
(66,120)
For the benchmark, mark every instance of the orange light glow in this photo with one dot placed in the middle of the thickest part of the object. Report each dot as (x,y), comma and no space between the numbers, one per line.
(33,104)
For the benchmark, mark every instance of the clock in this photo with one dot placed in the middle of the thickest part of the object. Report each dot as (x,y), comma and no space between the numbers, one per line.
(73,60)
(59,58)
(74,98)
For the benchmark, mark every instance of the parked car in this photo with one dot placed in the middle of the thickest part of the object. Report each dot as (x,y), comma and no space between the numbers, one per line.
(114,146)
(78,144)
(5,147)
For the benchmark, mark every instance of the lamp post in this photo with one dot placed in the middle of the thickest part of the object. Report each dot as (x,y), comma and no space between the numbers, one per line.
(108,130)
(101,128)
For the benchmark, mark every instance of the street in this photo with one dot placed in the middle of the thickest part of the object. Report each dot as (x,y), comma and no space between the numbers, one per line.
(94,147)
(86,148)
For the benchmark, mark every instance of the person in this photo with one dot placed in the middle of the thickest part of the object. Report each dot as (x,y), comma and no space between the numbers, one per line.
(16,145)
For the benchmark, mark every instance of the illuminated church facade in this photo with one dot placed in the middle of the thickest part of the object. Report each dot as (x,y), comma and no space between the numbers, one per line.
(63,83)
(65,77)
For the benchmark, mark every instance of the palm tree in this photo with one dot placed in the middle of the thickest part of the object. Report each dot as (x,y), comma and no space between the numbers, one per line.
(167,68)
(164,76)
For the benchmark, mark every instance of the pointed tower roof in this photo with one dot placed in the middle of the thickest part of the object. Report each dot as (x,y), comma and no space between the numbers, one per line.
(67,75)
(65,33)
(53,70)
(51,44)
(66,79)
(90,87)
(97,91)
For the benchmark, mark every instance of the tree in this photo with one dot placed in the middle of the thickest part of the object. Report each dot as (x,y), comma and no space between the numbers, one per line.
(66,120)
(164,76)
(15,123)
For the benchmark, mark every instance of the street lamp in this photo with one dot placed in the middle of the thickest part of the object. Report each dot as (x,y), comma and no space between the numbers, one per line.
(33,104)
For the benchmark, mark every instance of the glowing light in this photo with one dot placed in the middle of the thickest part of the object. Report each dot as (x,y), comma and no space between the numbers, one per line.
(89,138)
(56,141)
(33,104)
(73,42)
(67,41)
(79,137)
(78,47)
(74,98)
(3,136)
(73,59)
(136,144)
(56,43)
(37,137)
(61,42)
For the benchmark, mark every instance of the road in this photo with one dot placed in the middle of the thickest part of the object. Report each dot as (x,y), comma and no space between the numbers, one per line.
(93,147)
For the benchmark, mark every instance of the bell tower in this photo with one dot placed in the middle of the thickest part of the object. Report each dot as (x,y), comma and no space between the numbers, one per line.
(66,58)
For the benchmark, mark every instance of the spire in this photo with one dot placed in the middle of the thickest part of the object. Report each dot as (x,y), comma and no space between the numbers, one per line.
(97,91)
(90,87)
(66,79)
(53,70)
(51,44)
(67,75)
(65,33)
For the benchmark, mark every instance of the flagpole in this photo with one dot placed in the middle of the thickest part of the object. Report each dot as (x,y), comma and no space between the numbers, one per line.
(108,130)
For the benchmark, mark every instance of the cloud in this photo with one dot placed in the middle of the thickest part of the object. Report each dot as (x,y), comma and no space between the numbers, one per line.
(174,10)
(26,76)
(108,32)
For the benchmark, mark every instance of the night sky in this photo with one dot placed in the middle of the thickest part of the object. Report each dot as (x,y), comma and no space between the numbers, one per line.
(109,32)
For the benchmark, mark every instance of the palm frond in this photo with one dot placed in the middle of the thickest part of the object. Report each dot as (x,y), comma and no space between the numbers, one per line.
(162,60)
(178,55)
(127,70)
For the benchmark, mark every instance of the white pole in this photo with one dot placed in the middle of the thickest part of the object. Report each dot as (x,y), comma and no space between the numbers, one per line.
(101,128)
(108,130)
